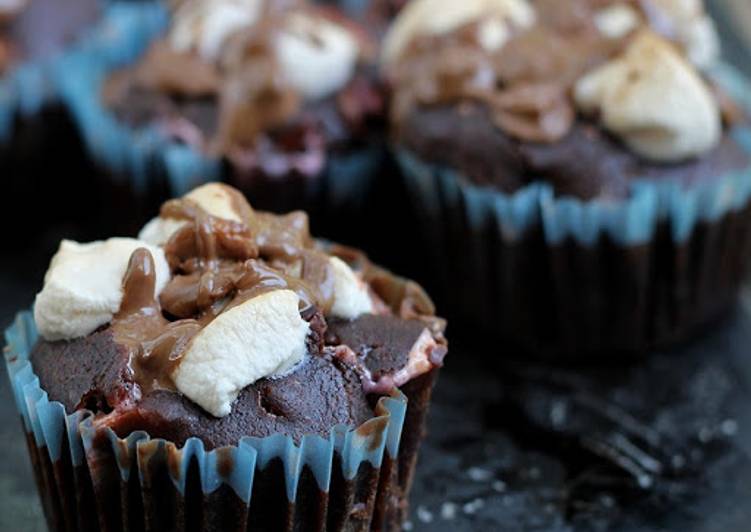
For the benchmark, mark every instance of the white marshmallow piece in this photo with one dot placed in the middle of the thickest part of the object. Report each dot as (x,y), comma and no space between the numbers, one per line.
(262,337)
(351,296)
(203,26)
(702,42)
(653,100)
(83,286)
(439,17)
(693,28)
(214,198)
(317,56)
(158,231)
(616,21)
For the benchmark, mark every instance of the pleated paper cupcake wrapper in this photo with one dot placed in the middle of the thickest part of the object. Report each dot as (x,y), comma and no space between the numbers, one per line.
(565,277)
(94,480)
(23,93)
(145,159)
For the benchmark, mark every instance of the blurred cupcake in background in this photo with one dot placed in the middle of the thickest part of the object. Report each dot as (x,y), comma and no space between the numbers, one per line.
(581,169)
(33,33)
(224,371)
(278,98)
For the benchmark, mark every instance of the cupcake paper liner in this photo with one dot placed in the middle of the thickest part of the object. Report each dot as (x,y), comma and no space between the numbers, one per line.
(145,159)
(95,480)
(134,156)
(561,276)
(36,135)
(25,89)
(23,93)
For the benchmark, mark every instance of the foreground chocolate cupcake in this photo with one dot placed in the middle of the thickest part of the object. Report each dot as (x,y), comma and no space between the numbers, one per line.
(580,166)
(224,370)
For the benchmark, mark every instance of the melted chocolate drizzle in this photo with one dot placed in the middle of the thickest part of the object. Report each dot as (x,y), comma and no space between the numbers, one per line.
(217,264)
(526,84)
(252,93)
(156,345)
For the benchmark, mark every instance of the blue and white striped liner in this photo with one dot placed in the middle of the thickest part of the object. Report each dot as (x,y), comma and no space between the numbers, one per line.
(50,426)
(631,221)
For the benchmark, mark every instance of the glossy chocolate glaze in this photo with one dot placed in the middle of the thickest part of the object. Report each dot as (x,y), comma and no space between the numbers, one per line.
(525,85)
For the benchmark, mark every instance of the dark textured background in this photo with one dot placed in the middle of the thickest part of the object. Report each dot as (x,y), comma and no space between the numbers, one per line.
(525,448)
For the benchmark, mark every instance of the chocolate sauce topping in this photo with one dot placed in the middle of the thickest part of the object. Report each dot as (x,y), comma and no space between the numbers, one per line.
(527,83)
(217,264)
(245,84)
(156,345)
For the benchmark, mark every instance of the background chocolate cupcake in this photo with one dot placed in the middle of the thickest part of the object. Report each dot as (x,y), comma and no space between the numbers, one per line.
(279,99)
(583,174)
(224,370)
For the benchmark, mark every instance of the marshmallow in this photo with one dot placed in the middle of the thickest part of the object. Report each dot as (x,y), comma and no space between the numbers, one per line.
(214,198)
(203,26)
(262,337)
(653,100)
(83,286)
(702,42)
(351,295)
(317,56)
(691,26)
(158,231)
(418,360)
(438,17)
(617,20)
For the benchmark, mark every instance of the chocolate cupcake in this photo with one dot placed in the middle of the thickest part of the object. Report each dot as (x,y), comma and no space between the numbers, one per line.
(226,371)
(279,99)
(582,167)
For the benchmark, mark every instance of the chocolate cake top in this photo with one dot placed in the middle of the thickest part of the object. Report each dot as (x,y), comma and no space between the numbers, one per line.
(634,67)
(214,297)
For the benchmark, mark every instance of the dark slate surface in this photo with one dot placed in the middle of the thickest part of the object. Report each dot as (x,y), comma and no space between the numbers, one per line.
(664,445)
